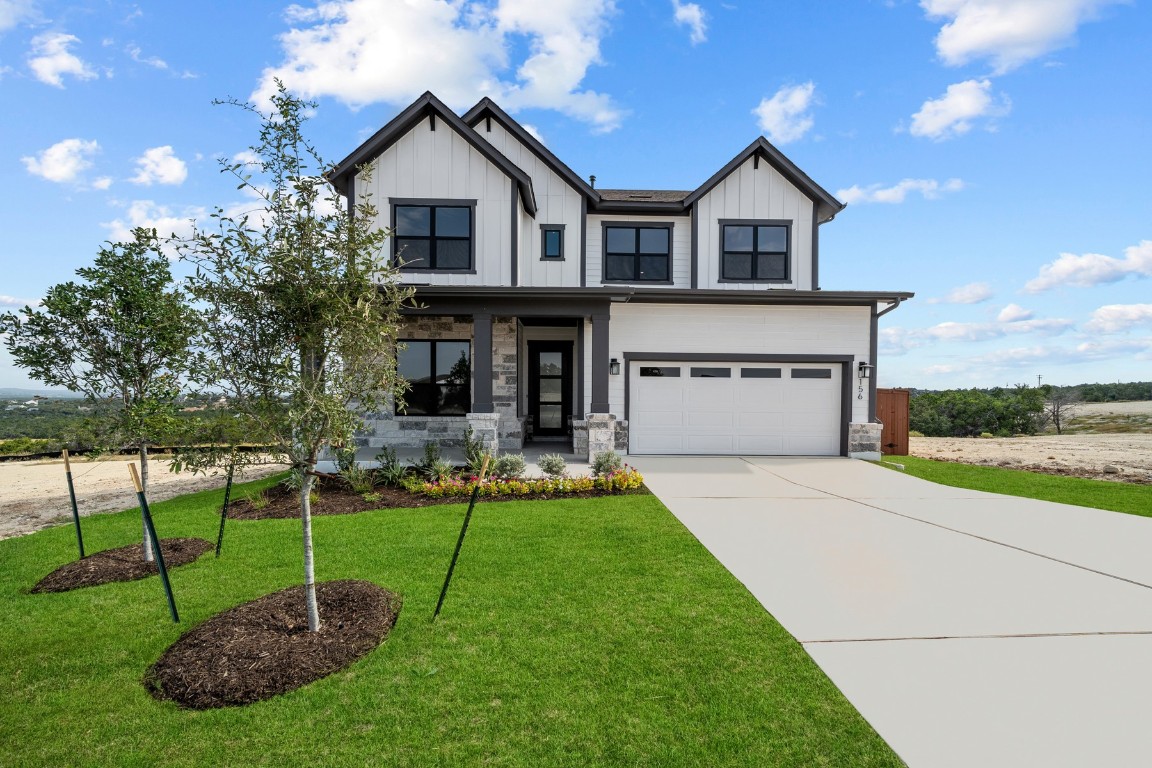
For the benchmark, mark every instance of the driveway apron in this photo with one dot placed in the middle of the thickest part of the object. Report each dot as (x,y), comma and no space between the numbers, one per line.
(969,628)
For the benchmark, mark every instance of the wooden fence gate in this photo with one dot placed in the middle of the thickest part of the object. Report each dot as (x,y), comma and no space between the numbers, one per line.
(892,410)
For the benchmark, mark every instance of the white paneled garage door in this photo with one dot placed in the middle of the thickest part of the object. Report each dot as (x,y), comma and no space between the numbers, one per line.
(768,409)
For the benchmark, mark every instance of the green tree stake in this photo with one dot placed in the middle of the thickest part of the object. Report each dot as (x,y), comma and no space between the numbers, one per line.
(460,541)
(151,528)
(224,509)
(75,510)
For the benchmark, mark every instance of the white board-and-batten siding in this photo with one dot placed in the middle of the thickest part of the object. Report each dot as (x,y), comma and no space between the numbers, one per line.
(556,203)
(437,165)
(736,330)
(755,193)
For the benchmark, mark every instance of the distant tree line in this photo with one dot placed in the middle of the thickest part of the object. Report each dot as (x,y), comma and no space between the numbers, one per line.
(1110,393)
(972,412)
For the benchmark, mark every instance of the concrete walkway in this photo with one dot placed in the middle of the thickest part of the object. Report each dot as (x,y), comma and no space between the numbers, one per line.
(969,628)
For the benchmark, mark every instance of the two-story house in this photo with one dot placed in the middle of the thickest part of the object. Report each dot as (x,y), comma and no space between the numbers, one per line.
(649,321)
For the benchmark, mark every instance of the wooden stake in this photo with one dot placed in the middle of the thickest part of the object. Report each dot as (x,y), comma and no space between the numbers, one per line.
(151,528)
(75,509)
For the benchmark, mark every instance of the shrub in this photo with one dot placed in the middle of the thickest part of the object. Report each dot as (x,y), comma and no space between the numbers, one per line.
(986,435)
(258,500)
(605,462)
(358,478)
(345,458)
(915,433)
(429,466)
(552,464)
(391,471)
(509,465)
(474,452)
(371,498)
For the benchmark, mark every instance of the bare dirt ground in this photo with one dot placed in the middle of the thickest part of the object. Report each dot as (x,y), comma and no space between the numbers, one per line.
(1081,455)
(34,494)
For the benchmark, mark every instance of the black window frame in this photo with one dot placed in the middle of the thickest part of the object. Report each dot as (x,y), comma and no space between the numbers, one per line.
(544,230)
(786,224)
(607,226)
(407,343)
(432,238)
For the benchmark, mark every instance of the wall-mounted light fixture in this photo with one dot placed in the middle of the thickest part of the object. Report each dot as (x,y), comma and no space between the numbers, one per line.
(614,367)
(864,370)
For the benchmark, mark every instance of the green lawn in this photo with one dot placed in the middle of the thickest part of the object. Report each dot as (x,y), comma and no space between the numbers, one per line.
(1101,494)
(581,632)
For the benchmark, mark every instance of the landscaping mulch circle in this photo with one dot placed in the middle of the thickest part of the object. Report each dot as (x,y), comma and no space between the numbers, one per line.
(263,648)
(121,564)
(334,497)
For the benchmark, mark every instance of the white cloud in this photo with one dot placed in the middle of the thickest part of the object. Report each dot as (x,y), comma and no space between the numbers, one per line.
(929,189)
(952,114)
(691,15)
(62,162)
(1007,33)
(785,117)
(1113,318)
(17,303)
(13,12)
(361,52)
(102,183)
(152,61)
(146,213)
(972,293)
(899,341)
(50,59)
(159,165)
(1093,269)
(1014,313)
(1085,352)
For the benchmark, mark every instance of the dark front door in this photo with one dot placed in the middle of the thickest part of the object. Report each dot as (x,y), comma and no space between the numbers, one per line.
(550,386)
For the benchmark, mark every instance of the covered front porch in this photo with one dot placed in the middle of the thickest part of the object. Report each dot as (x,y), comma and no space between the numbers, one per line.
(518,369)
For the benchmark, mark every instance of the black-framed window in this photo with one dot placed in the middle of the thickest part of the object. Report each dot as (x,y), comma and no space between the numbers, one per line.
(434,236)
(552,242)
(753,251)
(638,253)
(439,376)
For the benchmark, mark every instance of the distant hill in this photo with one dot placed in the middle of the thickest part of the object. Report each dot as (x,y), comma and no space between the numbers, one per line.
(9,393)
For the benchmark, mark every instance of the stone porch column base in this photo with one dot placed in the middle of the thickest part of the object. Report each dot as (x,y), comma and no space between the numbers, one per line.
(864,441)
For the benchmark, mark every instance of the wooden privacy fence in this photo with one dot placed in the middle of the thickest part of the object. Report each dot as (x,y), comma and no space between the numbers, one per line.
(892,410)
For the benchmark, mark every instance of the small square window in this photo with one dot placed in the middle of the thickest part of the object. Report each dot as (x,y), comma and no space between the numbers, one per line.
(551,241)
(754,251)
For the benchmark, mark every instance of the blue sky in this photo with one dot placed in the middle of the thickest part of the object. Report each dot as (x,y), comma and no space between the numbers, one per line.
(994,153)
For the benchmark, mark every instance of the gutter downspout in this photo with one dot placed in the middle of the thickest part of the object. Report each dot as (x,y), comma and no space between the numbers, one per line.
(874,333)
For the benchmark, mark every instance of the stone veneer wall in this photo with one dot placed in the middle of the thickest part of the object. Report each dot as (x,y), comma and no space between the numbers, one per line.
(864,441)
(387,428)
(598,433)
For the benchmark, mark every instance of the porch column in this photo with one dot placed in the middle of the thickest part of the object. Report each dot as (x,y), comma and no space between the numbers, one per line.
(599,363)
(482,363)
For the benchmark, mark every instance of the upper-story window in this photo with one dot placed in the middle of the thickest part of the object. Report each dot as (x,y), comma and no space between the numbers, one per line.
(552,242)
(434,234)
(754,251)
(635,253)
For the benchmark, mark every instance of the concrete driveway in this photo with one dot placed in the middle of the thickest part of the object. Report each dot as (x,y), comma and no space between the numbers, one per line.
(969,628)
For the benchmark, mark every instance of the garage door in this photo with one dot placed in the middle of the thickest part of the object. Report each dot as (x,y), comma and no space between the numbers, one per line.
(767,409)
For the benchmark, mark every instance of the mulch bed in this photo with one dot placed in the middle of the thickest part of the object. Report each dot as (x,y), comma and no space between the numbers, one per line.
(263,648)
(121,564)
(336,498)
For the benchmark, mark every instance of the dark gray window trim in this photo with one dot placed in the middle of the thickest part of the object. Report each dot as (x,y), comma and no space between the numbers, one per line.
(544,228)
(433,201)
(472,385)
(786,223)
(578,369)
(606,225)
(845,361)
(873,349)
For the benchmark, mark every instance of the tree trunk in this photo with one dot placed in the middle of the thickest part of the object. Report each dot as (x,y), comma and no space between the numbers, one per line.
(149,555)
(309,571)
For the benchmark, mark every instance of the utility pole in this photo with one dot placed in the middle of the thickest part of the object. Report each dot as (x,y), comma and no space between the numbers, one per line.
(1038,377)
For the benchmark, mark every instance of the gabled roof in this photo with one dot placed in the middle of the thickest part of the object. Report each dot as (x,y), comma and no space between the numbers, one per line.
(426,106)
(826,205)
(644,195)
(488,109)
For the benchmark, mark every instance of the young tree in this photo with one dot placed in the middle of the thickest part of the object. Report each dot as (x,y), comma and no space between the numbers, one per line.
(301,306)
(120,338)
(1061,407)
